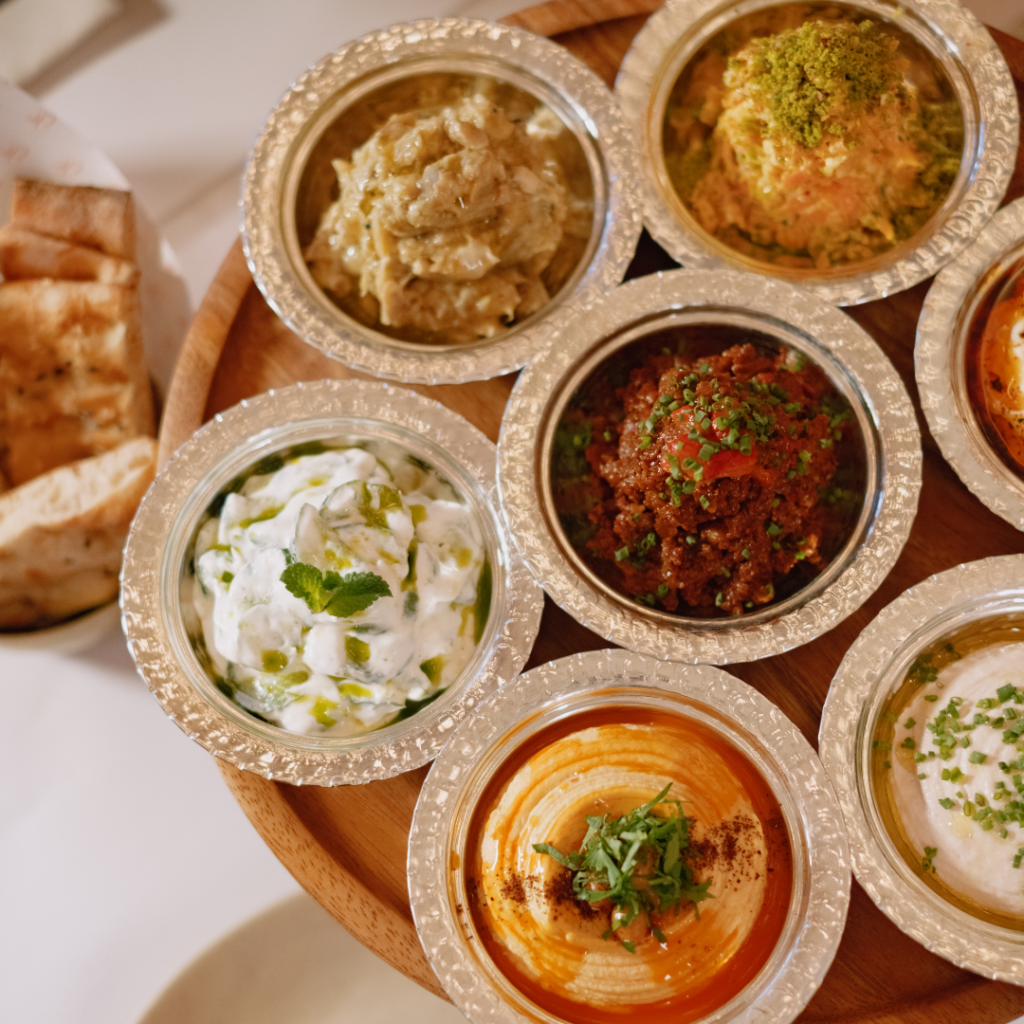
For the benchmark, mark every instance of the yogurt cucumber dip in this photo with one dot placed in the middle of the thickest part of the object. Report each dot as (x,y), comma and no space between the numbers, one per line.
(338,589)
(957,773)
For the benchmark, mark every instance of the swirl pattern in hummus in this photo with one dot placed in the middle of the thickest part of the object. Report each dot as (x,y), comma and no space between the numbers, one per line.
(550,942)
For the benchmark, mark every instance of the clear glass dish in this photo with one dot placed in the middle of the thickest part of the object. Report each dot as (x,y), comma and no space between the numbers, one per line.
(854,725)
(959,299)
(942,31)
(160,627)
(782,316)
(561,690)
(289,180)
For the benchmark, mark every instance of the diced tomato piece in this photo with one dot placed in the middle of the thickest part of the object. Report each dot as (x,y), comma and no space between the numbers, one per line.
(727,463)
(730,463)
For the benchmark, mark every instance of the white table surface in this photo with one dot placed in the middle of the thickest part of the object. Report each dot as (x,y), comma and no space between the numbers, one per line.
(122,853)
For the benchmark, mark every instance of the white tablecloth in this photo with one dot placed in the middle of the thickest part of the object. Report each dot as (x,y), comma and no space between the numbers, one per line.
(122,853)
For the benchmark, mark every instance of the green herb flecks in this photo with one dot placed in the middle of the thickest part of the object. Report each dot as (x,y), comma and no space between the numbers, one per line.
(922,670)
(341,596)
(482,605)
(930,852)
(636,862)
(357,650)
(412,706)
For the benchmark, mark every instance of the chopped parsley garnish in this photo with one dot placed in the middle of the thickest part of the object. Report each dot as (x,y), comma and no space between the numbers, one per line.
(341,596)
(636,862)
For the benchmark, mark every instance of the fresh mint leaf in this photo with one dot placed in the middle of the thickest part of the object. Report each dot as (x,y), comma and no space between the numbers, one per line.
(341,596)
(306,582)
(355,593)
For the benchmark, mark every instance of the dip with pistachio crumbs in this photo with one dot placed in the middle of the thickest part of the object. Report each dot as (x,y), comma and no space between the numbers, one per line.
(822,143)
(956,772)
(339,589)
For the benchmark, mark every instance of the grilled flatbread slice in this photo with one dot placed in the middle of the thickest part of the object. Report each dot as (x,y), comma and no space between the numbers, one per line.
(28,254)
(72,378)
(61,535)
(103,218)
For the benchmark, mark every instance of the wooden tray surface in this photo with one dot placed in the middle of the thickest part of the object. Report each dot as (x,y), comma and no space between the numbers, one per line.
(347,846)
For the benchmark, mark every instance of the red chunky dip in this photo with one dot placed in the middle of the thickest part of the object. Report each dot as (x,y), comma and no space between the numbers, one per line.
(707,484)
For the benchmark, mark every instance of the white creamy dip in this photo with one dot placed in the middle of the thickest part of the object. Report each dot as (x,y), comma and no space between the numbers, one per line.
(385,609)
(970,818)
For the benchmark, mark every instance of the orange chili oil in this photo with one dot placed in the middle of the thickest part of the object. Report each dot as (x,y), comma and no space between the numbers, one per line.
(741,968)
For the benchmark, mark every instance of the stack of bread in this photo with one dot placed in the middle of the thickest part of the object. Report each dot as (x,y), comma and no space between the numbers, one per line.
(76,409)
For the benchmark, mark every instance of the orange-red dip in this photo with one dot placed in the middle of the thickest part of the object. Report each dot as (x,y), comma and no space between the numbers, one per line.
(995,368)
(554,948)
(713,477)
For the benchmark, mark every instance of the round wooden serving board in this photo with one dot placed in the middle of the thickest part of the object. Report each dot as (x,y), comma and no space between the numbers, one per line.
(347,845)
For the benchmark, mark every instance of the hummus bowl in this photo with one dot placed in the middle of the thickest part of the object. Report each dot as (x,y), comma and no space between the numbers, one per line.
(920,735)
(427,202)
(962,397)
(782,214)
(598,734)
(737,578)
(300,679)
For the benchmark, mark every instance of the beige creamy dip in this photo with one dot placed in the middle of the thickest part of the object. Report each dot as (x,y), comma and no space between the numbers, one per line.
(450,219)
(965,807)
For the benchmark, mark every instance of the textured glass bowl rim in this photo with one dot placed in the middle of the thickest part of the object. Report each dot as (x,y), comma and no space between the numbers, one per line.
(740,639)
(814,936)
(371,351)
(923,915)
(966,37)
(942,325)
(143,615)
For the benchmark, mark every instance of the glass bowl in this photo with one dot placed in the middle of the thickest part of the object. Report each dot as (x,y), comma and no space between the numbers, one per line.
(783,317)
(289,180)
(439,842)
(960,298)
(942,31)
(857,727)
(160,628)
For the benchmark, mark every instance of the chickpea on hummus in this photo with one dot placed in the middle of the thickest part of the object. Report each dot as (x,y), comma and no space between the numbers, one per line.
(453,221)
(814,146)
(587,958)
